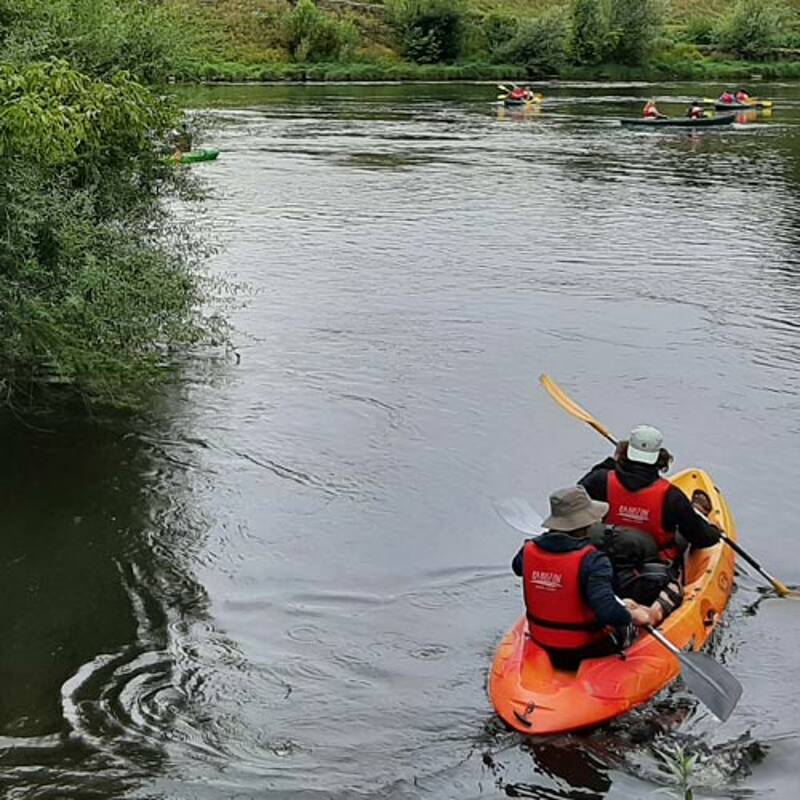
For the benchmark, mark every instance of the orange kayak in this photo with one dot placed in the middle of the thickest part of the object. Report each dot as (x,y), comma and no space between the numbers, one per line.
(534,698)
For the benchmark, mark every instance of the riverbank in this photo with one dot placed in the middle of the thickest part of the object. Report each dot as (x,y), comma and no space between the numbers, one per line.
(658,69)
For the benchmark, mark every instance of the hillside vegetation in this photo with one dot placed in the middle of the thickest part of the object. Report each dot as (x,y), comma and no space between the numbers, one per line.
(349,39)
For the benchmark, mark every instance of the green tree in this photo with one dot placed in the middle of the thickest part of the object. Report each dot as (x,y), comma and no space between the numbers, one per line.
(634,26)
(94,290)
(588,31)
(540,45)
(313,35)
(754,28)
(498,30)
(430,31)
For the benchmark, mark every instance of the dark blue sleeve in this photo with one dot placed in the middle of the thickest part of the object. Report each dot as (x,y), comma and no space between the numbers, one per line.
(596,480)
(516,563)
(596,583)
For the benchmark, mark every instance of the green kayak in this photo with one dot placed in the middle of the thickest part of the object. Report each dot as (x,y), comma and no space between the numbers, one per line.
(197,155)
(679,122)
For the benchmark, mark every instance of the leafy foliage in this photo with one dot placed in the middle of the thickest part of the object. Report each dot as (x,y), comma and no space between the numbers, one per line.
(753,28)
(313,35)
(588,31)
(701,30)
(431,31)
(92,290)
(498,31)
(540,45)
(151,40)
(634,28)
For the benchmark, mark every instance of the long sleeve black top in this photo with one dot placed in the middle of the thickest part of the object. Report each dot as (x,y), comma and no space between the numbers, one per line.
(678,514)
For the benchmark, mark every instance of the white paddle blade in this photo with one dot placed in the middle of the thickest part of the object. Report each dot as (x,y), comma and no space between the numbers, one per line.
(518,513)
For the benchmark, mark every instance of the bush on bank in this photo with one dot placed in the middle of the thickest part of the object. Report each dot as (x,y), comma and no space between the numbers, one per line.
(94,290)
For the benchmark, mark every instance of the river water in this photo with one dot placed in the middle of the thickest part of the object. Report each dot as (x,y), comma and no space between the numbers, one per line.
(286,579)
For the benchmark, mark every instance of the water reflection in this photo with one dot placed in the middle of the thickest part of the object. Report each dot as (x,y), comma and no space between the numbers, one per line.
(92,683)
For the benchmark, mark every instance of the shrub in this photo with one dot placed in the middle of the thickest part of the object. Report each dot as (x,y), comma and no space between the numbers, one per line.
(430,31)
(540,45)
(588,33)
(313,35)
(498,30)
(753,28)
(701,30)
(95,282)
(634,25)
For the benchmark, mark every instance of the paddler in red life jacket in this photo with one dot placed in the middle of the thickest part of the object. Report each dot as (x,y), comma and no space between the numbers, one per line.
(639,498)
(651,112)
(727,98)
(567,585)
(742,96)
(696,110)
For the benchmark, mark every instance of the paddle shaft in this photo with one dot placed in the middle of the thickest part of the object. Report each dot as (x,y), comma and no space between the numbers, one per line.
(779,587)
(659,637)
(569,405)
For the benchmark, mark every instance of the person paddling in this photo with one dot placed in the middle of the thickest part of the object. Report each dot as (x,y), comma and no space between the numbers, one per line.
(651,112)
(743,96)
(727,97)
(696,110)
(570,603)
(639,498)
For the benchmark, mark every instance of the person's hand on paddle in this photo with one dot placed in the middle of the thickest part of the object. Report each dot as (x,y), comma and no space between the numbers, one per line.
(641,615)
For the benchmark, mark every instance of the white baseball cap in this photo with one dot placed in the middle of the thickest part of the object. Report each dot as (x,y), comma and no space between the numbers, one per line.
(644,444)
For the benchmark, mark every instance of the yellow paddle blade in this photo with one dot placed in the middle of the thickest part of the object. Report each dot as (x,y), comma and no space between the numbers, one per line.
(571,407)
(782,589)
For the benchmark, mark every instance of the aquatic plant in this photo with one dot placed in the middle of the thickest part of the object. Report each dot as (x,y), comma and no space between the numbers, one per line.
(681,767)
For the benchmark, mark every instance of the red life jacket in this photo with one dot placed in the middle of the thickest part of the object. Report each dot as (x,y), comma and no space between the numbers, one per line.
(517,94)
(642,510)
(558,616)
(728,98)
(742,97)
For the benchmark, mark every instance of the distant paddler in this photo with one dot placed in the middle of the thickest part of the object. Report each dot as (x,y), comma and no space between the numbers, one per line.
(696,110)
(181,139)
(519,95)
(650,111)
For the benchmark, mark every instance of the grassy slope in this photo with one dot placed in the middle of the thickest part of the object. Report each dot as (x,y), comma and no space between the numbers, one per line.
(245,43)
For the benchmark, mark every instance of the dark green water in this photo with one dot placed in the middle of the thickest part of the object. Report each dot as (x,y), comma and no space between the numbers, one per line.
(286,579)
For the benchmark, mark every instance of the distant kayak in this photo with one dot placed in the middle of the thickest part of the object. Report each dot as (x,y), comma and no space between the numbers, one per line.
(755,106)
(516,102)
(194,156)
(679,122)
